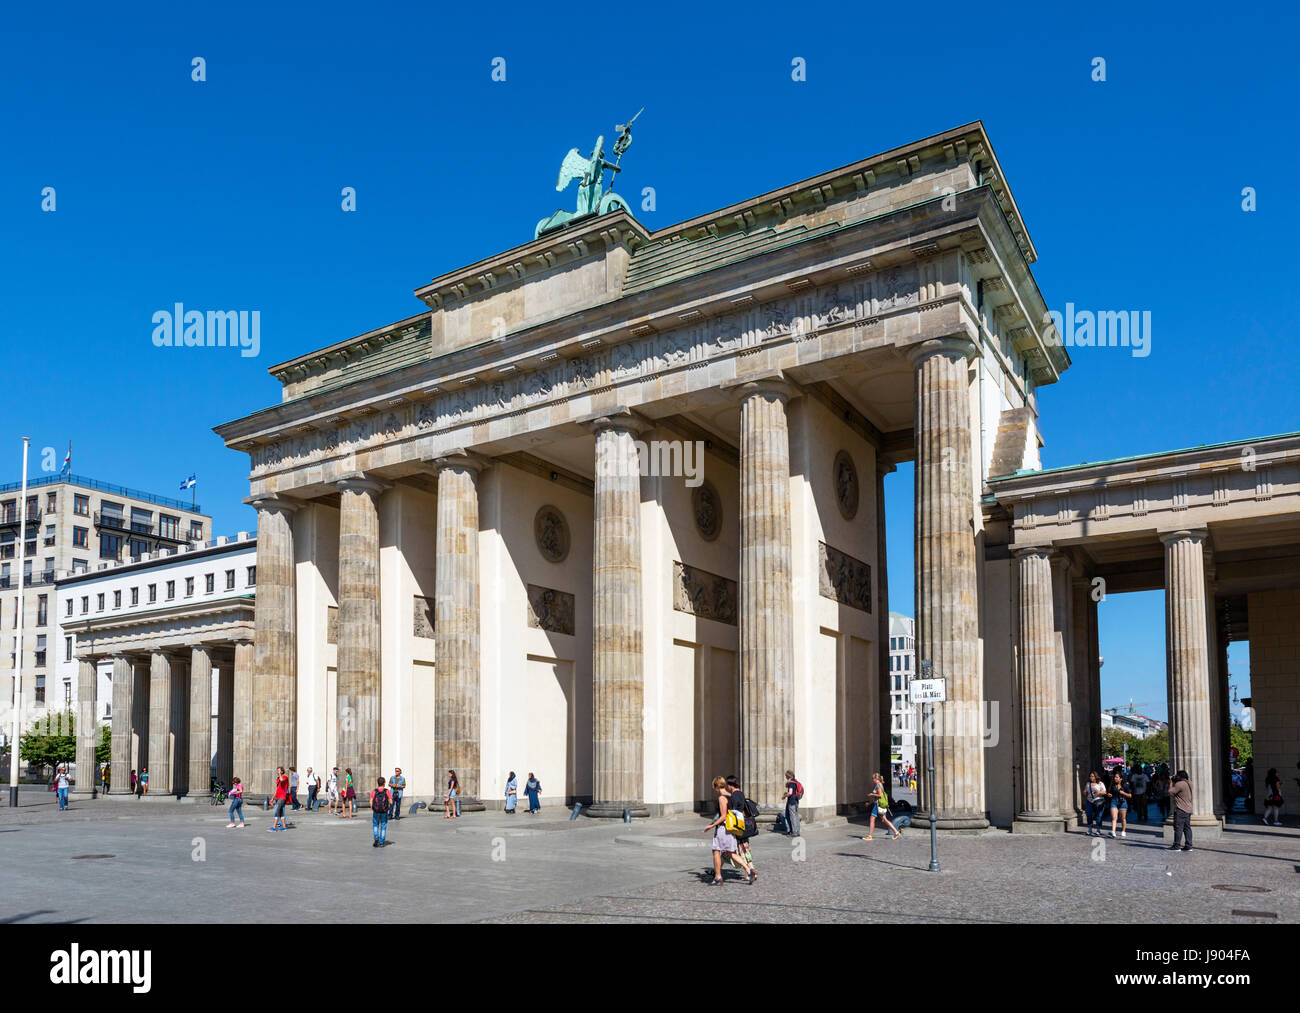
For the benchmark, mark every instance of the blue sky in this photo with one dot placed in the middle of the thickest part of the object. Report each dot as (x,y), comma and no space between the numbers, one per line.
(226,194)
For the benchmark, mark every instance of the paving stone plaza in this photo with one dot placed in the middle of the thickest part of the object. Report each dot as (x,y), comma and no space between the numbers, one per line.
(139,863)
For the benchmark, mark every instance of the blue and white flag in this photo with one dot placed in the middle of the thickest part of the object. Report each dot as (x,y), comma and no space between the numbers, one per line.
(67,461)
(190,483)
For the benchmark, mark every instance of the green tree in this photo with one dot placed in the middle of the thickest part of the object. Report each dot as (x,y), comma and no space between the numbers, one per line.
(1154,749)
(1113,741)
(1244,741)
(104,751)
(51,746)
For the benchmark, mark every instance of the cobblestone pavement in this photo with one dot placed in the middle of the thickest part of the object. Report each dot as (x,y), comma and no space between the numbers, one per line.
(124,861)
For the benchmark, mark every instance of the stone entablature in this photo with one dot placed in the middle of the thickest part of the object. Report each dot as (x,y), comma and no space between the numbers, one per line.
(176,629)
(1248,479)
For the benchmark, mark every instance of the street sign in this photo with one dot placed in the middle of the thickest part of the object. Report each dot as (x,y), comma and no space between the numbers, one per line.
(928,690)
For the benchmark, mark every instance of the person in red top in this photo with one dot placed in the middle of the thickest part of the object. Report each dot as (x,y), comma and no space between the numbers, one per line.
(281,794)
(381,805)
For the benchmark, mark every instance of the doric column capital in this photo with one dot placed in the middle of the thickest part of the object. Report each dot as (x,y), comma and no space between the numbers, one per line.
(1022,551)
(772,383)
(621,420)
(269,501)
(1198,535)
(359,481)
(202,649)
(951,346)
(458,459)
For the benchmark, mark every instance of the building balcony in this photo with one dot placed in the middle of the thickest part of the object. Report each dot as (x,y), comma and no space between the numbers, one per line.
(15,520)
(114,522)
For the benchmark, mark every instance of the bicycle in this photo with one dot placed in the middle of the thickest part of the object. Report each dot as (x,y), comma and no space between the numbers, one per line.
(218,793)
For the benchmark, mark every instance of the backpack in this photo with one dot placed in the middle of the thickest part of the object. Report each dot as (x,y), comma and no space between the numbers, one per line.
(380,802)
(798,791)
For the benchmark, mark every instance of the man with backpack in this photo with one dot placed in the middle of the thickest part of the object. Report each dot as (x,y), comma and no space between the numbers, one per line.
(749,810)
(381,804)
(793,794)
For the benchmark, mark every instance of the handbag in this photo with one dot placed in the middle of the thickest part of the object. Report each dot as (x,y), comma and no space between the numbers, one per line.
(734,824)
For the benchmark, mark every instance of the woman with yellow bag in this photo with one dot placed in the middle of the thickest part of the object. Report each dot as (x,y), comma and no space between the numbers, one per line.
(725,827)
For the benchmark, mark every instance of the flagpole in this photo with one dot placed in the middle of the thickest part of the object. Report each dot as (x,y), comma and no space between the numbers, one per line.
(18,652)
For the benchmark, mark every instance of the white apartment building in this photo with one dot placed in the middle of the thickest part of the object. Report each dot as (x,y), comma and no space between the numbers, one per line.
(166,601)
(902,667)
(72,524)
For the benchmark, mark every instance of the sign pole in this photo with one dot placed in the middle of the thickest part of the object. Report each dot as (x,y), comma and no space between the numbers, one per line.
(934,819)
(930,690)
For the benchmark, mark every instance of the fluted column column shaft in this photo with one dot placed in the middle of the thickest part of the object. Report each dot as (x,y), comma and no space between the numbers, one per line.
(766,619)
(241,723)
(161,731)
(1036,679)
(618,736)
(120,758)
(457,628)
(1063,623)
(884,688)
(358,630)
(200,739)
(946,591)
(274,691)
(87,727)
(1189,668)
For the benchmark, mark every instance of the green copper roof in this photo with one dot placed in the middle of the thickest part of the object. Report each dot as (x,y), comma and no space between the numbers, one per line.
(668,260)
(1023,472)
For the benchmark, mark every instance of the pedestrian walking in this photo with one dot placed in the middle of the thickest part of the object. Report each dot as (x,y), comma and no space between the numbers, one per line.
(397,787)
(144,781)
(349,790)
(1094,796)
(103,778)
(236,797)
(724,841)
(879,800)
(332,790)
(1119,798)
(134,784)
(793,795)
(533,789)
(60,785)
(451,800)
(1180,794)
(736,800)
(1273,798)
(512,793)
(381,803)
(1160,790)
(312,782)
(1140,782)
(281,797)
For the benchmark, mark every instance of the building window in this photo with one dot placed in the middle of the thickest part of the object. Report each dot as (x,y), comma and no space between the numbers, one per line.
(117,599)
(51,501)
(99,602)
(139,548)
(80,565)
(85,604)
(40,651)
(171,589)
(167,526)
(81,505)
(110,546)
(42,609)
(33,509)
(49,534)
(40,689)
(67,648)
(230,580)
(69,609)
(210,583)
(135,596)
(189,587)
(252,576)
(153,592)
(196,531)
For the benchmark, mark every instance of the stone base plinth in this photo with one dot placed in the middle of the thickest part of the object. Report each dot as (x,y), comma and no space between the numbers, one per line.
(615,810)
(966,824)
(1045,826)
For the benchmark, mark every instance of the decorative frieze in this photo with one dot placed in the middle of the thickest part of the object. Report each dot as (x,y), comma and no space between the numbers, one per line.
(551,531)
(703,594)
(844,579)
(423,617)
(551,610)
(331,624)
(846,485)
(706,506)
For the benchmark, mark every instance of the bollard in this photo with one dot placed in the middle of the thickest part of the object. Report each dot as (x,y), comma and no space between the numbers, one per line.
(577,808)
(627,815)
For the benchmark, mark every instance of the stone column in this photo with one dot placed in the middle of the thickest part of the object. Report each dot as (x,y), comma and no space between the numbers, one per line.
(1189,670)
(160,724)
(225,719)
(766,616)
(358,629)
(200,739)
(618,674)
(140,713)
(87,727)
(457,717)
(180,740)
(885,677)
(1063,618)
(274,690)
(1082,714)
(1095,749)
(121,761)
(241,731)
(1218,743)
(1037,806)
(946,585)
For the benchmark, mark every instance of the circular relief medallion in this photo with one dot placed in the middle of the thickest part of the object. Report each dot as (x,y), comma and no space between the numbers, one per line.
(846,485)
(707,505)
(552,534)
